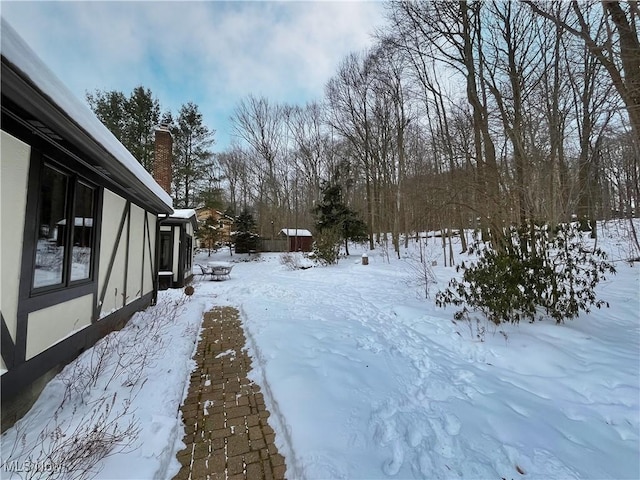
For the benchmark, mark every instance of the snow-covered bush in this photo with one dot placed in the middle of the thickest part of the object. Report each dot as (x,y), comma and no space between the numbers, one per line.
(295,261)
(539,272)
(326,248)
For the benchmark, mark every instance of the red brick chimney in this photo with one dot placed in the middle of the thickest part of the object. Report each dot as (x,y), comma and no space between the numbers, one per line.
(162,157)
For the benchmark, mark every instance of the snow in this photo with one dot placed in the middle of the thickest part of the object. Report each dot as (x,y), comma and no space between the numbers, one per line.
(184,213)
(16,51)
(364,378)
(293,232)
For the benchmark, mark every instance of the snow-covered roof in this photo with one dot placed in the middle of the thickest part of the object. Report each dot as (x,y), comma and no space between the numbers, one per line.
(185,213)
(296,232)
(18,53)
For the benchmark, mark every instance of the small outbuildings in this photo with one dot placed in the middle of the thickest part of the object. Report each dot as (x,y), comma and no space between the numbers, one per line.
(298,240)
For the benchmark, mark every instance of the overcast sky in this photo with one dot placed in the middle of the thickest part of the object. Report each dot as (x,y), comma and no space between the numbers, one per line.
(210,53)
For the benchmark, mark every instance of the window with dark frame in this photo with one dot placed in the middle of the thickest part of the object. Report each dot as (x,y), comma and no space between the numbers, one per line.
(166,248)
(64,244)
(188,258)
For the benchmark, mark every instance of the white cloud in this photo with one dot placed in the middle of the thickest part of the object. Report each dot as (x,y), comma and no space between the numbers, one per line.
(212,53)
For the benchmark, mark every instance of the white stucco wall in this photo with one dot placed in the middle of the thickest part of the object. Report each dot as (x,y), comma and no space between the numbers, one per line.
(113,206)
(150,256)
(137,260)
(48,326)
(14,173)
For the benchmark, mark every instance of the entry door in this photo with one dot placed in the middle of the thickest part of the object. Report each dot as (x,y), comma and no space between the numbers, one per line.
(166,251)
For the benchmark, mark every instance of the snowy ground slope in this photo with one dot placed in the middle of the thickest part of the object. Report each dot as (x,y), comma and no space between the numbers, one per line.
(134,377)
(366,379)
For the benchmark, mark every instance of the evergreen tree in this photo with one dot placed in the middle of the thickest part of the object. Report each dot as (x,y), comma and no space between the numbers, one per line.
(246,236)
(336,220)
(210,234)
(110,109)
(142,116)
(191,154)
(131,120)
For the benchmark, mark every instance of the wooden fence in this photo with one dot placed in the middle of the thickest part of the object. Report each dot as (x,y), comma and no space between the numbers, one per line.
(273,245)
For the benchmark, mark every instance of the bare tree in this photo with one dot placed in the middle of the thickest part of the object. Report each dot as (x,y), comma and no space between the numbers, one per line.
(261,124)
(612,38)
(350,115)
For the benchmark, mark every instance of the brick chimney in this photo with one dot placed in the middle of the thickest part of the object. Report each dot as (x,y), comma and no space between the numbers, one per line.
(162,157)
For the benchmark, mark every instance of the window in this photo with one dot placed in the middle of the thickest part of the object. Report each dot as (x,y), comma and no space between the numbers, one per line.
(188,252)
(166,249)
(64,246)
(82,232)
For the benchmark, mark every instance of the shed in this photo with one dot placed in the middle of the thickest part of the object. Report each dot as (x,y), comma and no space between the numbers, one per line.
(80,223)
(298,240)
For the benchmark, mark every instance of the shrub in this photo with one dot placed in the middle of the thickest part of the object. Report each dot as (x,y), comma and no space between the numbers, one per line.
(326,248)
(295,261)
(538,272)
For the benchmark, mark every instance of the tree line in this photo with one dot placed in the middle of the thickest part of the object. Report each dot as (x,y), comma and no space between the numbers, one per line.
(467,114)
(133,120)
(462,114)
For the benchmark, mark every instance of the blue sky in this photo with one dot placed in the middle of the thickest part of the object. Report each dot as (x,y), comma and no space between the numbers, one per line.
(211,53)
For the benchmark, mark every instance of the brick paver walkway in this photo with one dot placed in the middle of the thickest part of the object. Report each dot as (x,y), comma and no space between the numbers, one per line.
(227,434)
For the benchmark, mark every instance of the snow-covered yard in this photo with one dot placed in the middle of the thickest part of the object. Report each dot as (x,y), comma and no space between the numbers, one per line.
(366,379)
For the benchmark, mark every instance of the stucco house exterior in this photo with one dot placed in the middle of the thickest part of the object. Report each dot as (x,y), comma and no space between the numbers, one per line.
(80,223)
(177,243)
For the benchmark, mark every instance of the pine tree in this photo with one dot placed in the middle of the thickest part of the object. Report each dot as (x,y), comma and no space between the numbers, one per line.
(142,115)
(109,107)
(336,220)
(191,154)
(245,237)
(131,119)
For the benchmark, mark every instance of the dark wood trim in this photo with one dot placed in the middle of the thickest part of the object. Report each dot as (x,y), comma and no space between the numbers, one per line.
(181,241)
(6,343)
(113,254)
(172,233)
(125,290)
(63,352)
(152,251)
(27,262)
(45,300)
(144,258)
(156,264)
(95,268)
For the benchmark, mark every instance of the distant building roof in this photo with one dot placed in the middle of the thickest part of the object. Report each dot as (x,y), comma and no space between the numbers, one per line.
(296,232)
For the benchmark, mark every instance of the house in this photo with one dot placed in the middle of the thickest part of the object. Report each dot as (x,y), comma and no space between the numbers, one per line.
(177,238)
(177,242)
(80,222)
(298,240)
(222,223)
